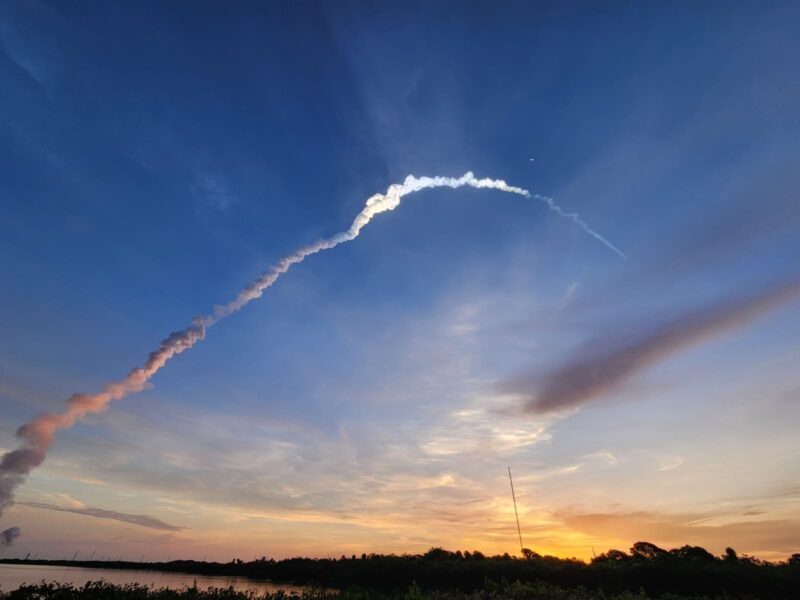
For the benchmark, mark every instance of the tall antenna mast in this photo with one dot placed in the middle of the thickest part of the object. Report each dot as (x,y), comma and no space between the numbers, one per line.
(516,514)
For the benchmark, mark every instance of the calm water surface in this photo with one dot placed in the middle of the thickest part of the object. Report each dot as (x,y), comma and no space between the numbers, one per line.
(13,576)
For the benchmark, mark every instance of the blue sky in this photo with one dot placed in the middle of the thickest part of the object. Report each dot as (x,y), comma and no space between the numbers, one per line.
(156,158)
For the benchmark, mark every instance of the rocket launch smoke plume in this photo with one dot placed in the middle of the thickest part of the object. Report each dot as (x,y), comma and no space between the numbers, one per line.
(612,358)
(580,222)
(8,536)
(37,435)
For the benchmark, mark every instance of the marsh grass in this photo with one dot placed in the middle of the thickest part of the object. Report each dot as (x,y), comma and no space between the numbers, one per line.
(100,590)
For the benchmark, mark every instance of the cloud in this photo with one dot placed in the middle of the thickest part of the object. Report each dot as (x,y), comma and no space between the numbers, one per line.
(214,193)
(141,520)
(610,360)
(671,463)
(602,456)
(570,293)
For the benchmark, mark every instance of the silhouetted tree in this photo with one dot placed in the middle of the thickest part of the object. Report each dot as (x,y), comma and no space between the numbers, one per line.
(612,555)
(647,551)
(692,553)
(684,572)
(437,554)
(751,560)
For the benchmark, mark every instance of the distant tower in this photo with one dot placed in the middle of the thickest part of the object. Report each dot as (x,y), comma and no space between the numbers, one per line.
(516,514)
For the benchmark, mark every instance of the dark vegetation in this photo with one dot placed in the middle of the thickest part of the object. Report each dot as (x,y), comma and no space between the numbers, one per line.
(490,591)
(646,571)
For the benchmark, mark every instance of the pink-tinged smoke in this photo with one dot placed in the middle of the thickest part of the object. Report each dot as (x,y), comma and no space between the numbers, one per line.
(38,435)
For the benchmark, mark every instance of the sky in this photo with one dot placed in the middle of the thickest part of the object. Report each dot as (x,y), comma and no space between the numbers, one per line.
(155,158)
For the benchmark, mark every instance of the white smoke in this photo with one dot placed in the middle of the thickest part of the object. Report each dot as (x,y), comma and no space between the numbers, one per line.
(37,435)
(376,204)
(580,222)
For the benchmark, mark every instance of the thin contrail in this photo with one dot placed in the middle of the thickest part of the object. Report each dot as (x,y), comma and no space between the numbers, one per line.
(580,222)
(37,435)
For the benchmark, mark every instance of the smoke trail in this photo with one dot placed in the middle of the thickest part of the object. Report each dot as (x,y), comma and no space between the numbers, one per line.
(609,360)
(100,513)
(37,436)
(580,222)
(8,536)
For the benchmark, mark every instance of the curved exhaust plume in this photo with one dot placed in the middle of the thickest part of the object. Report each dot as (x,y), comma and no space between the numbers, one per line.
(37,435)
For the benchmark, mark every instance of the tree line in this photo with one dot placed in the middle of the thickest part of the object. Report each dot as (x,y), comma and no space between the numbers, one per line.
(688,570)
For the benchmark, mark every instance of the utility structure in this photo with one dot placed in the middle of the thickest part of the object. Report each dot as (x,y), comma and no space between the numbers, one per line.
(516,514)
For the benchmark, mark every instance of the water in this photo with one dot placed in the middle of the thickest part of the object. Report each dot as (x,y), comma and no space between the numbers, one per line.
(13,576)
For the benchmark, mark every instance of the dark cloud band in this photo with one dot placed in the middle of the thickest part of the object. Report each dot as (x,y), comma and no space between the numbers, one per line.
(142,520)
(610,360)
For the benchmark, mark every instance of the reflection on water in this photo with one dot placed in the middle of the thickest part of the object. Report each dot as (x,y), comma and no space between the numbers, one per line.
(13,576)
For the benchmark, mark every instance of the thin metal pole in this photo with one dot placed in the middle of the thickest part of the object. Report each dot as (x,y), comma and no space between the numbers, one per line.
(516,514)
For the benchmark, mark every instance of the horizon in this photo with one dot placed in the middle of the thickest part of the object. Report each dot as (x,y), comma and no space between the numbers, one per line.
(609,305)
(458,553)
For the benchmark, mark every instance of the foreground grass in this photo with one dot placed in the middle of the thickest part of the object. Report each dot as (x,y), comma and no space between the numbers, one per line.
(99,590)
(684,572)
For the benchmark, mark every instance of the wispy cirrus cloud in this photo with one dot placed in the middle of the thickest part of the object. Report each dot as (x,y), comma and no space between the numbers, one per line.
(214,194)
(100,513)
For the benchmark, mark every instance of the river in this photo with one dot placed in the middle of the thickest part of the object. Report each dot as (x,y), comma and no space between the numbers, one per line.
(13,576)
